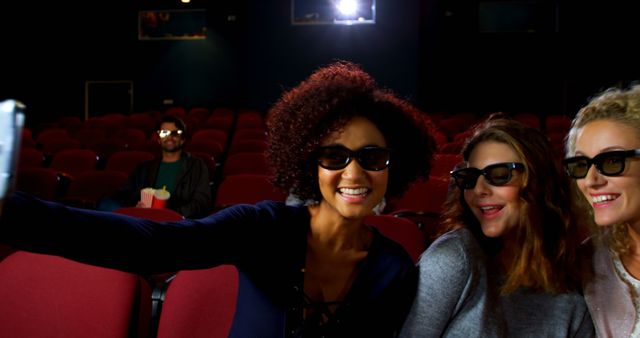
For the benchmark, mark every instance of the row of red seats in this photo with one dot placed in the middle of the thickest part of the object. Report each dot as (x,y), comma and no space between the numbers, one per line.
(49,296)
(86,189)
(248,157)
(106,138)
(245,156)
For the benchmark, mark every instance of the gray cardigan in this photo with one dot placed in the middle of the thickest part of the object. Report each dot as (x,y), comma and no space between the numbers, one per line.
(458,297)
(608,297)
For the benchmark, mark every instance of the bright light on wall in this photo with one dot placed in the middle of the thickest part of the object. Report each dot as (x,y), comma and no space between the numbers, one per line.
(347,7)
(336,12)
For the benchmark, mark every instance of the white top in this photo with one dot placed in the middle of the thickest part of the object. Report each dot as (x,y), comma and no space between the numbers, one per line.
(634,285)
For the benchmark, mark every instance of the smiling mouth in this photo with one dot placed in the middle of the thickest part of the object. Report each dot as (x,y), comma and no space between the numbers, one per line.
(603,198)
(491,209)
(355,192)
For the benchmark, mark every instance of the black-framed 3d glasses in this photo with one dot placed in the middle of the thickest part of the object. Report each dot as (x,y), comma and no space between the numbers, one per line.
(497,174)
(370,158)
(166,132)
(610,163)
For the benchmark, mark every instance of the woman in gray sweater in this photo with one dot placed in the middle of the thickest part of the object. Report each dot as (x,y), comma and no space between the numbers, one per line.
(505,266)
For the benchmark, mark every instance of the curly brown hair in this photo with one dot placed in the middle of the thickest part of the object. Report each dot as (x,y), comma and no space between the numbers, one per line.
(323,104)
(546,234)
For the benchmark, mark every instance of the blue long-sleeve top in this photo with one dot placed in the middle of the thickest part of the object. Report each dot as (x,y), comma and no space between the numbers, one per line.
(266,242)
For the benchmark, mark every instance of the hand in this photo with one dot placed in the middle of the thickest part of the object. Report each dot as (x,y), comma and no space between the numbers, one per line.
(140,205)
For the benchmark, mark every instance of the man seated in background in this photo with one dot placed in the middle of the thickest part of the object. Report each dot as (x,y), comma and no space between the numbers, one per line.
(186,177)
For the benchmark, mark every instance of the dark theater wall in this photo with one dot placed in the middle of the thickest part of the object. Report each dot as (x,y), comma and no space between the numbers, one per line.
(569,51)
(49,50)
(437,53)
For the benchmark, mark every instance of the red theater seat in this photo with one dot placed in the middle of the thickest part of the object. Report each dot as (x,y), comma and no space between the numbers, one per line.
(200,303)
(49,296)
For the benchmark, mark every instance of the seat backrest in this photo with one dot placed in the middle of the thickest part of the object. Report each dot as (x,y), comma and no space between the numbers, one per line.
(88,136)
(131,137)
(178,111)
(30,157)
(90,186)
(40,182)
(74,161)
(126,161)
(247,146)
(70,123)
(211,135)
(200,303)
(249,120)
(107,147)
(225,112)
(142,121)
(443,164)
(151,146)
(422,196)
(250,134)
(49,296)
(199,113)
(27,133)
(209,147)
(248,189)
(245,163)
(52,134)
(222,122)
(557,124)
(402,231)
(209,161)
(53,146)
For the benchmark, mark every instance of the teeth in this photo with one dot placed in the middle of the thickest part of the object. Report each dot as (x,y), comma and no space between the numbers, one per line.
(489,208)
(351,191)
(602,198)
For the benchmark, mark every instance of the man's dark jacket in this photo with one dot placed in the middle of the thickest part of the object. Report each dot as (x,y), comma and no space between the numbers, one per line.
(191,196)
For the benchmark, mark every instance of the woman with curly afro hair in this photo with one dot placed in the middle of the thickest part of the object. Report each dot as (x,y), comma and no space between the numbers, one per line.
(322,105)
(316,270)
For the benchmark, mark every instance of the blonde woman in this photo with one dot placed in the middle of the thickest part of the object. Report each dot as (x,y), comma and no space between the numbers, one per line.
(604,148)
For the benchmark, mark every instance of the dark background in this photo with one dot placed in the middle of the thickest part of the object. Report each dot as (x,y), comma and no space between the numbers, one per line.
(545,57)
